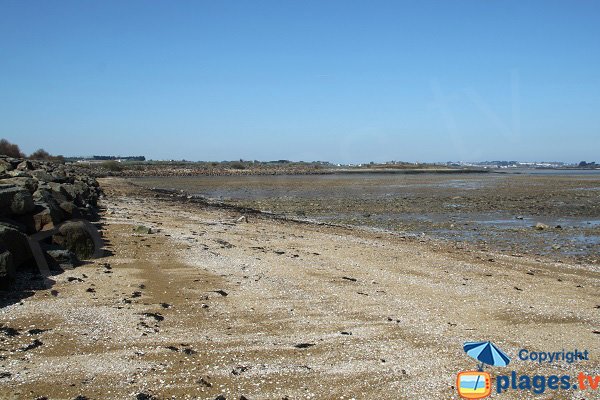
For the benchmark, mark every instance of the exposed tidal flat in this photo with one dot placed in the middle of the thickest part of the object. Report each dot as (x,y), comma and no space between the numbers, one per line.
(550,213)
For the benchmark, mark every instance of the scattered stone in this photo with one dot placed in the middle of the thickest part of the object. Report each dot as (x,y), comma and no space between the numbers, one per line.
(204,382)
(145,396)
(190,352)
(136,294)
(243,218)
(346,333)
(165,305)
(8,331)
(157,316)
(36,343)
(90,290)
(239,369)
(303,345)
(224,244)
(37,331)
(172,348)
(5,375)
(141,229)
(221,292)
(349,279)
(540,227)
(519,289)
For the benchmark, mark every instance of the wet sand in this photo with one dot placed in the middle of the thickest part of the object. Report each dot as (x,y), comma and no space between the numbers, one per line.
(272,309)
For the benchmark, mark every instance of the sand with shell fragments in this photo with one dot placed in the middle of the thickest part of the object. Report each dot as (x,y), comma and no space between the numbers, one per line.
(265,309)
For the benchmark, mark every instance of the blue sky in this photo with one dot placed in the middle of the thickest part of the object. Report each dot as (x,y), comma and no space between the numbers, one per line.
(345,81)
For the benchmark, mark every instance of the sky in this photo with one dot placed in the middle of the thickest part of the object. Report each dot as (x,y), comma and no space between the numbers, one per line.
(343,81)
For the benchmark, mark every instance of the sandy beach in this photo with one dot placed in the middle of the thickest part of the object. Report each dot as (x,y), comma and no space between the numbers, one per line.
(206,305)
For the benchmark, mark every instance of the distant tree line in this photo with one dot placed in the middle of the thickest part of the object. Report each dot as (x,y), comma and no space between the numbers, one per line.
(128,158)
(12,150)
(592,164)
(9,149)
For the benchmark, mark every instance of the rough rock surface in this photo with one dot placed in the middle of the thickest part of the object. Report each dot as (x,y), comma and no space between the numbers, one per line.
(74,237)
(37,196)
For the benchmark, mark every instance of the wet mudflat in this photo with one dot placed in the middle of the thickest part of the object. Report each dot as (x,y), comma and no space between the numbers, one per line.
(555,214)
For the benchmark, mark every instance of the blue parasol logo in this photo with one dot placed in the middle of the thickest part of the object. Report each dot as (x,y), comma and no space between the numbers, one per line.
(486,353)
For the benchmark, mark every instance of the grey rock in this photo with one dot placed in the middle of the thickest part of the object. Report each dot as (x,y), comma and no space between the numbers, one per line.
(41,175)
(48,199)
(46,217)
(70,210)
(18,173)
(15,200)
(58,189)
(64,259)
(16,243)
(142,229)
(25,166)
(5,166)
(25,182)
(7,267)
(78,192)
(74,237)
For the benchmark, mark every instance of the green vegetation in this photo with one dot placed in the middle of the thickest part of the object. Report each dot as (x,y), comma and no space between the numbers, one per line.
(113,166)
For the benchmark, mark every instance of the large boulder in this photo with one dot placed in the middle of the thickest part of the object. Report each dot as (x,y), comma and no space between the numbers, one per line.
(15,200)
(24,182)
(45,218)
(41,175)
(59,189)
(79,192)
(5,166)
(75,237)
(7,267)
(19,174)
(60,259)
(25,165)
(70,210)
(15,241)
